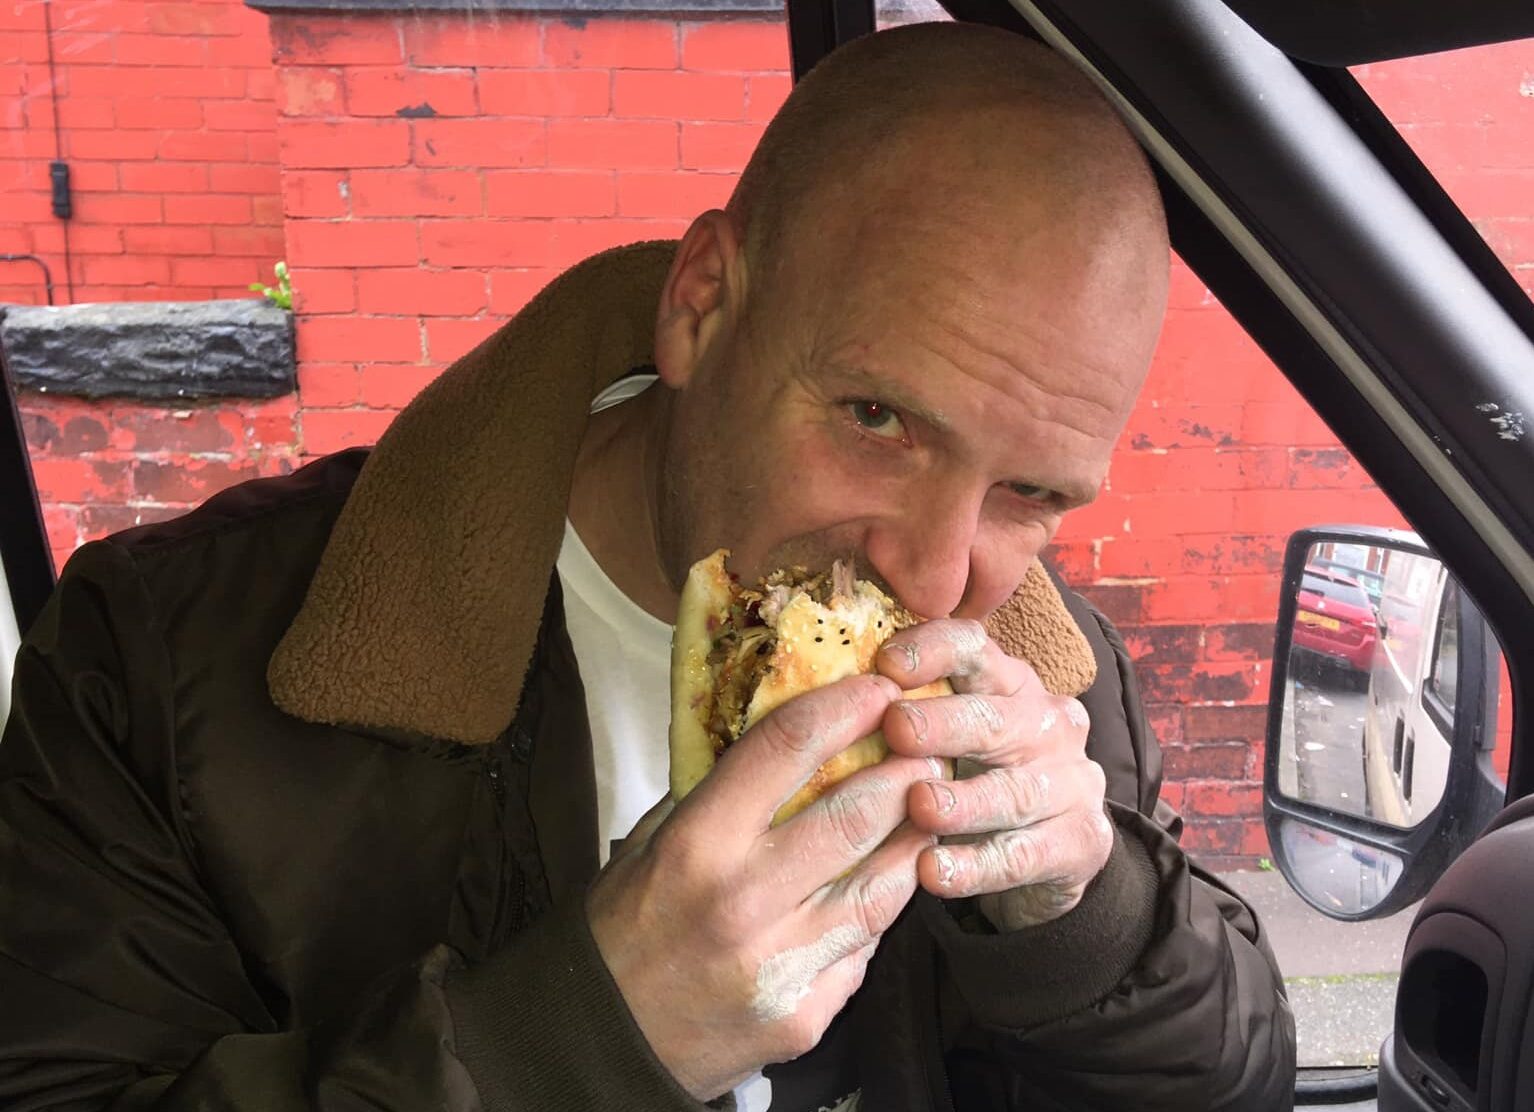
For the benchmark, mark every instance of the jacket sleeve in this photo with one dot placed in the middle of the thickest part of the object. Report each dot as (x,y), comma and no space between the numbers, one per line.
(1158,991)
(121,987)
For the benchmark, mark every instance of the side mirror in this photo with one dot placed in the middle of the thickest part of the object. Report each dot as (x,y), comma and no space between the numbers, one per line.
(1381,721)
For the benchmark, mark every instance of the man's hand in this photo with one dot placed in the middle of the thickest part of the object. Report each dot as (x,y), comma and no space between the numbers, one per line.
(1028,831)
(734,944)
(648,824)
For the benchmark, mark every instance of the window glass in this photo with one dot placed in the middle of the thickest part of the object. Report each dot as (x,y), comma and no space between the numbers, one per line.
(423,174)
(1469,115)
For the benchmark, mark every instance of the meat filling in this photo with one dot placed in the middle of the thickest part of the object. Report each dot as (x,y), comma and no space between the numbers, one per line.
(739,661)
(743,646)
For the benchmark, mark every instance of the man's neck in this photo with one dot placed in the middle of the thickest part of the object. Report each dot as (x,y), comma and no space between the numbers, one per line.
(613,499)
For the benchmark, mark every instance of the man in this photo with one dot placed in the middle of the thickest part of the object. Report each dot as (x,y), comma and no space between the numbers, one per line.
(288,819)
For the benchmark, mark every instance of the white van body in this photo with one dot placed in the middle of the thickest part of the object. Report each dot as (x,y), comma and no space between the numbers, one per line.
(1409,720)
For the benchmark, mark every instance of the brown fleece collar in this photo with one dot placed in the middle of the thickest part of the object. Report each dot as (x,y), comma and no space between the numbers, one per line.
(424,609)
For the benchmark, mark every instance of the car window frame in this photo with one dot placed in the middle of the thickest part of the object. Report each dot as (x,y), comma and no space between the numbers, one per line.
(25,558)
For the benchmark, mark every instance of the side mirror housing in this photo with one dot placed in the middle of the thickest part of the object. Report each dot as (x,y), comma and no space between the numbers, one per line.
(1381,721)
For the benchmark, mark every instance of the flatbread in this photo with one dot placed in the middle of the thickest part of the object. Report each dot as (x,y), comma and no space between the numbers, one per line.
(815,645)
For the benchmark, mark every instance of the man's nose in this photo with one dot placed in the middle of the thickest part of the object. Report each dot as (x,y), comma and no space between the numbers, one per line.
(925,554)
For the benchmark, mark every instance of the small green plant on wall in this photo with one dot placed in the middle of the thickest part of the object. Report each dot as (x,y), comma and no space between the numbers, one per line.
(280,295)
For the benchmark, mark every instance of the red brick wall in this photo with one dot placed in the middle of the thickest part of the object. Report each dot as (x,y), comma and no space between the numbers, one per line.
(105,466)
(166,120)
(1470,116)
(1220,462)
(437,171)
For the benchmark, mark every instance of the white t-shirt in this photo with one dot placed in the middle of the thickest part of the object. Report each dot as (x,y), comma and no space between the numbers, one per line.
(630,706)
(625,659)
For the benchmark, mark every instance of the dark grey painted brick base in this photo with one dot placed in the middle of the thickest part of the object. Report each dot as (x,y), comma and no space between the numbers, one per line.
(154,350)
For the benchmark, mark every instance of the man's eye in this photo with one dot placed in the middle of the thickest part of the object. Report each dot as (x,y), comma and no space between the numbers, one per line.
(1031,493)
(878,419)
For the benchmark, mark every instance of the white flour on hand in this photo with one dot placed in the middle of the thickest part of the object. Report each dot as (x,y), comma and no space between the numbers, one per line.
(784,979)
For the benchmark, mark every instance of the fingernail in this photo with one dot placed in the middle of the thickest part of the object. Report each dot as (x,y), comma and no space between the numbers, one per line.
(946,866)
(905,653)
(939,770)
(918,720)
(942,795)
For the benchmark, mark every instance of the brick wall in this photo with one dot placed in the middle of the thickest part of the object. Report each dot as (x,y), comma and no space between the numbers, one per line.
(166,120)
(436,171)
(1220,462)
(439,172)
(105,466)
(1470,116)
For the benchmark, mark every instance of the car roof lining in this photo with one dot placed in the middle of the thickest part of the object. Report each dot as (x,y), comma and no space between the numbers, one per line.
(1352,32)
(1340,33)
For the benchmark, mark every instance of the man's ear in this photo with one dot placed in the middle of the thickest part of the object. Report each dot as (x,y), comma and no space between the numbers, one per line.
(702,295)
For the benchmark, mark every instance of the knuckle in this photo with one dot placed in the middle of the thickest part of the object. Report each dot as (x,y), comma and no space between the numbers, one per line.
(1097,782)
(834,712)
(966,641)
(1076,714)
(679,851)
(977,715)
(968,636)
(851,816)
(1101,836)
(789,728)
(1025,792)
(996,797)
(876,901)
(1022,853)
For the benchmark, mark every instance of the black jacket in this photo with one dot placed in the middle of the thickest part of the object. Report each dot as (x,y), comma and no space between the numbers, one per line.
(207,903)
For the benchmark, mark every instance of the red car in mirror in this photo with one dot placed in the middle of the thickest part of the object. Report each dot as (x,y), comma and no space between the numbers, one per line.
(1334,619)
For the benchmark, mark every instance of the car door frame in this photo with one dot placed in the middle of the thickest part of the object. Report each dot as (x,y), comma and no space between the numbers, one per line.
(25,558)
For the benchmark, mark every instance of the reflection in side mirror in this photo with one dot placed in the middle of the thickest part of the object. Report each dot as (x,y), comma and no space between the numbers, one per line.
(1346,876)
(1356,735)
(1384,695)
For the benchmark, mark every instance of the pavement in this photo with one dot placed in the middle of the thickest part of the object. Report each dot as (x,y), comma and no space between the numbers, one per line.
(1341,977)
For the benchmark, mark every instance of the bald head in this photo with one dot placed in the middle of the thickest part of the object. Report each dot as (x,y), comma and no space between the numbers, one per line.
(922,117)
(918,328)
